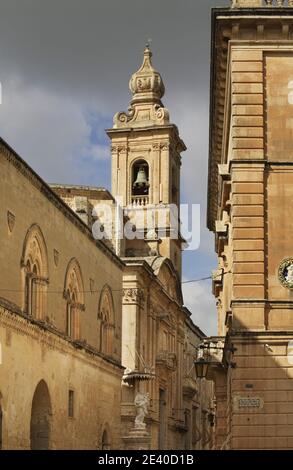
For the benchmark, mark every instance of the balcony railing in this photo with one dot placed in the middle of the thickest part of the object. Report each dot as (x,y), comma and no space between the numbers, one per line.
(139,200)
(261,3)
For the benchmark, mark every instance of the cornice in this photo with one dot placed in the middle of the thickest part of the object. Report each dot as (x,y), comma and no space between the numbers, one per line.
(273,303)
(12,317)
(222,34)
(219,51)
(149,129)
(247,334)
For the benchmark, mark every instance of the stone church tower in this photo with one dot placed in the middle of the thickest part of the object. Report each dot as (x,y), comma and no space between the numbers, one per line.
(157,349)
(146,164)
(250,212)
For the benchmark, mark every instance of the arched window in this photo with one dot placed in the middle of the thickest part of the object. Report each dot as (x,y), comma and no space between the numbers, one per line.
(74,296)
(34,264)
(28,280)
(140,183)
(70,313)
(36,294)
(106,321)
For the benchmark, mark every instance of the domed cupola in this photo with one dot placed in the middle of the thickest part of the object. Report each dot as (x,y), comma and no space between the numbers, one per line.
(147,88)
(146,85)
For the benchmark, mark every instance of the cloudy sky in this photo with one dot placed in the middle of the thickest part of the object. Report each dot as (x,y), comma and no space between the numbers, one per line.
(64,70)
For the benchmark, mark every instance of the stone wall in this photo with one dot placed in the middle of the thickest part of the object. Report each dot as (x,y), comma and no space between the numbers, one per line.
(36,348)
(254,204)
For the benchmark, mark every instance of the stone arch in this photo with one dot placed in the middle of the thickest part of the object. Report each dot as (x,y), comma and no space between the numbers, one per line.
(40,425)
(35,272)
(106,318)
(74,296)
(140,192)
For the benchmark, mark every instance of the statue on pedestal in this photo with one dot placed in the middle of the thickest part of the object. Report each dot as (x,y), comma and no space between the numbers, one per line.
(141,403)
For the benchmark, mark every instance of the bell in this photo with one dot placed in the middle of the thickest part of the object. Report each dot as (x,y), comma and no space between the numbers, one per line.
(141,179)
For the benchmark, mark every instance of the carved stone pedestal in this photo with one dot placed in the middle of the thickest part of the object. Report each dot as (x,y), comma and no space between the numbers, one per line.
(137,439)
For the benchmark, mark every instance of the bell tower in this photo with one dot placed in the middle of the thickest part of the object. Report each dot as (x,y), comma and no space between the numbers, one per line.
(146,162)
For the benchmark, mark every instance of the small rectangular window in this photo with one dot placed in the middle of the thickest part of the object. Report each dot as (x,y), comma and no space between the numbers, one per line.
(70,403)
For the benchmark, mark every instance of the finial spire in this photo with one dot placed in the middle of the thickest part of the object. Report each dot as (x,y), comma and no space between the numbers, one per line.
(148,43)
(147,88)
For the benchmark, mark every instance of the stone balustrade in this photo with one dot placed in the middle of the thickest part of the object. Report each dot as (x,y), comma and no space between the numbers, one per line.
(261,3)
(139,200)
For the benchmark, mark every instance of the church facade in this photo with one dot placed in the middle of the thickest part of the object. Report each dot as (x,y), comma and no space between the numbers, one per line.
(97,348)
(250,212)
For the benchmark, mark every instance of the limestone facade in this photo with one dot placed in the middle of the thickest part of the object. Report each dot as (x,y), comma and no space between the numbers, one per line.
(60,321)
(89,325)
(250,195)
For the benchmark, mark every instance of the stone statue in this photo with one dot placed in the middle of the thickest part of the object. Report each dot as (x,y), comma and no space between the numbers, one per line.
(141,403)
(289,275)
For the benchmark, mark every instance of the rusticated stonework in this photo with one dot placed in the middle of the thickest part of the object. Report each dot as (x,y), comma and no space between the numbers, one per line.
(250,199)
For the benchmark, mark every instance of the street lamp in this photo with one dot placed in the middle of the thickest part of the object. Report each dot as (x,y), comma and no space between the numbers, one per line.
(201,368)
(201,365)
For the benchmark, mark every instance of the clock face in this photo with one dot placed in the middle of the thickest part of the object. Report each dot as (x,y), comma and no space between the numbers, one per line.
(286,273)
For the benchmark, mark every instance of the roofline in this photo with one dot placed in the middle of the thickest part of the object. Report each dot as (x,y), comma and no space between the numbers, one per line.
(121,130)
(52,329)
(137,262)
(117,130)
(82,188)
(211,106)
(51,195)
(195,328)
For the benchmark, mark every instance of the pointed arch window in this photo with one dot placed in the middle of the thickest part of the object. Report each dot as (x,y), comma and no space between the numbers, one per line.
(35,273)
(36,292)
(74,296)
(106,319)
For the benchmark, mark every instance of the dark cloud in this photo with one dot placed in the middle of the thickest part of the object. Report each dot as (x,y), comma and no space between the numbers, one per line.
(63,60)
(90,47)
